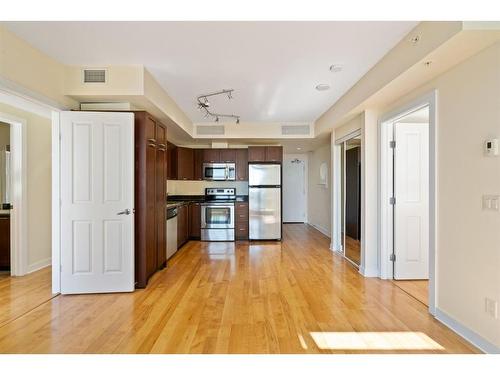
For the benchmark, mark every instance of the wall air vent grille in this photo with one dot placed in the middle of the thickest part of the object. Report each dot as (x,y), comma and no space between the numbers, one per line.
(210,130)
(94,76)
(295,130)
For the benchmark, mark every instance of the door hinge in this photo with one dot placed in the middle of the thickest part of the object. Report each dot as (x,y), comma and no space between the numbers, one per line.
(392,144)
(392,201)
(392,257)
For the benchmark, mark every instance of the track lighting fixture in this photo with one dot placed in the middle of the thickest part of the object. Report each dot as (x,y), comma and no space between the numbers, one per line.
(204,105)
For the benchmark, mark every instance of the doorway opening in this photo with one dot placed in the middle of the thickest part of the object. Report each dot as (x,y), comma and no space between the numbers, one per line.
(347,193)
(407,199)
(294,188)
(5,200)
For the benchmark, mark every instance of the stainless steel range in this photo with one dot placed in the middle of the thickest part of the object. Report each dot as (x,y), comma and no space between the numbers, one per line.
(217,214)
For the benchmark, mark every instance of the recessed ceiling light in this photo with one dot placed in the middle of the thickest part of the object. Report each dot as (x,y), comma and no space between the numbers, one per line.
(299,148)
(335,68)
(322,87)
(428,64)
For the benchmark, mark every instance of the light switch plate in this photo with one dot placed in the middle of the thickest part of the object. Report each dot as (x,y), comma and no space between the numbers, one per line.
(491,202)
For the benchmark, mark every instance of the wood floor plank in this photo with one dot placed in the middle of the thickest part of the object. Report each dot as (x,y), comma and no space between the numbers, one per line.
(294,296)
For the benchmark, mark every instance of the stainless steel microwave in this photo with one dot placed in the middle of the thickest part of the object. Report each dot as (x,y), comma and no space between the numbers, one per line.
(219,171)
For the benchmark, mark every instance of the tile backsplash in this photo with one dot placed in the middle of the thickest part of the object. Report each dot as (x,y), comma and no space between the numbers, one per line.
(175,187)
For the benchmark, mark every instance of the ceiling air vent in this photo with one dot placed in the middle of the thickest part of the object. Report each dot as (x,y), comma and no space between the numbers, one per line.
(210,130)
(94,75)
(294,129)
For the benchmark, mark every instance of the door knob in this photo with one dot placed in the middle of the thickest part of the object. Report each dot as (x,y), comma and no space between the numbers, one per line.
(124,212)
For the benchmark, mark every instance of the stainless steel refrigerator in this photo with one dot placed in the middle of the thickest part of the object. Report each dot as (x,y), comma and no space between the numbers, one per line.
(264,200)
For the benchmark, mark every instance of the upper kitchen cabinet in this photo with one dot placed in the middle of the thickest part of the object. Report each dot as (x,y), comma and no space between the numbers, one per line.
(211,155)
(227,155)
(272,154)
(171,161)
(185,163)
(241,164)
(198,164)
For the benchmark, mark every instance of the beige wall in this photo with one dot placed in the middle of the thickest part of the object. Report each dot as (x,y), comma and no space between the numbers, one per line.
(39,155)
(175,187)
(23,65)
(468,238)
(319,196)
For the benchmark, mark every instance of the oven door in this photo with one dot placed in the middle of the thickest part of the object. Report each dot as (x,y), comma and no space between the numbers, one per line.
(215,172)
(217,216)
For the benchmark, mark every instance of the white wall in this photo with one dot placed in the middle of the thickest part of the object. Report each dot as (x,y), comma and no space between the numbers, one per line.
(39,183)
(468,238)
(319,211)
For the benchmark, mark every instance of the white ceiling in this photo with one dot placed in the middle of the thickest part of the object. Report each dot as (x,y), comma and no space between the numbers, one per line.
(273,66)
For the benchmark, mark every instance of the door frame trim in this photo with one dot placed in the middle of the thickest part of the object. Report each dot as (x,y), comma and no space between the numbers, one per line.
(339,203)
(385,174)
(19,184)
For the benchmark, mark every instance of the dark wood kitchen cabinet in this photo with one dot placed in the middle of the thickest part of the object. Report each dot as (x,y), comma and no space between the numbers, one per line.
(241,164)
(182,224)
(272,154)
(256,154)
(171,162)
(195,221)
(211,155)
(150,196)
(4,243)
(185,161)
(198,164)
(241,221)
(227,155)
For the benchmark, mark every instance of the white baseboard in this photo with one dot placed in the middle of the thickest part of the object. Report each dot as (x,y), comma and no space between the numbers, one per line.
(471,336)
(39,265)
(368,272)
(321,229)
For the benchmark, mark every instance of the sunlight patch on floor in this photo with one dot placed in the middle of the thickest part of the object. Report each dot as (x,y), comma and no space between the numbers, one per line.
(374,341)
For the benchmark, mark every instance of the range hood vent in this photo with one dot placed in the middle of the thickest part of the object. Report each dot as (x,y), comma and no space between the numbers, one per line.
(295,130)
(94,76)
(210,130)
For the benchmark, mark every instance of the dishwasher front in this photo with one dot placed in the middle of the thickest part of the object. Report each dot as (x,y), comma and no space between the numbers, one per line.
(171,231)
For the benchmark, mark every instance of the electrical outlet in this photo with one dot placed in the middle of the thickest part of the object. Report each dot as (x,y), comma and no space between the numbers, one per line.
(491,307)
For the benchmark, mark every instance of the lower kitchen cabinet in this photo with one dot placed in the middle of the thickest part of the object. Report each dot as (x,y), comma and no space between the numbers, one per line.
(195,221)
(182,224)
(241,221)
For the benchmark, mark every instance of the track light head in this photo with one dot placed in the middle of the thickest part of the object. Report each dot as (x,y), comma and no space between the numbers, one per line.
(237,120)
(217,119)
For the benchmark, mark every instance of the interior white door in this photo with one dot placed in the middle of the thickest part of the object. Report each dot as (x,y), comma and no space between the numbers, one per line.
(411,210)
(294,192)
(97,202)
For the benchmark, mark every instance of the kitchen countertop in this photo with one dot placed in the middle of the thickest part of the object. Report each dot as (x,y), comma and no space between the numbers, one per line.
(179,200)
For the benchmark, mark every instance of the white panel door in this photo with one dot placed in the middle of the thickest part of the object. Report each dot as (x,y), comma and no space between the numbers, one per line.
(294,192)
(411,211)
(97,202)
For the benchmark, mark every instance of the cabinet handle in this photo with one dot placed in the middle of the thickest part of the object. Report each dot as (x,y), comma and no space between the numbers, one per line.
(162,145)
(152,140)
(151,145)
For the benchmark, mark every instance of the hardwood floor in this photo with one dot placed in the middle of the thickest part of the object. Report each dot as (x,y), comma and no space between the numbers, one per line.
(418,289)
(353,249)
(19,295)
(260,297)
